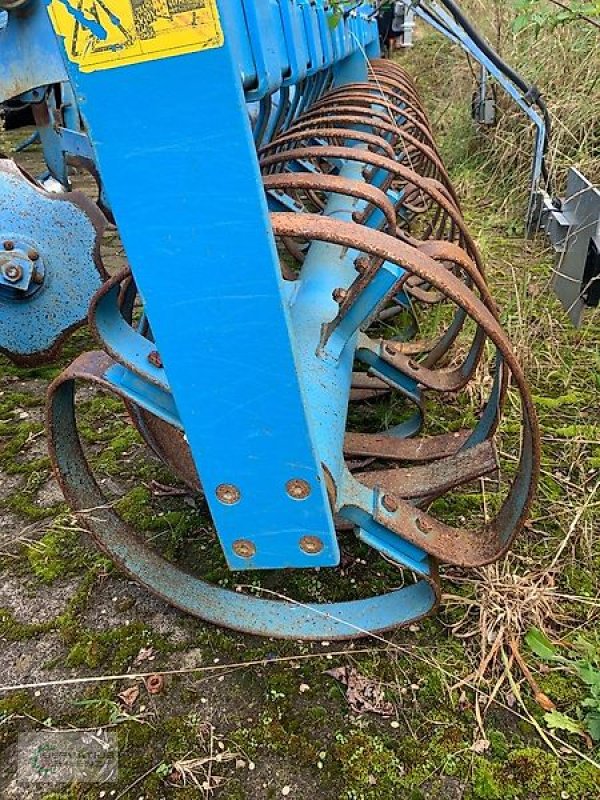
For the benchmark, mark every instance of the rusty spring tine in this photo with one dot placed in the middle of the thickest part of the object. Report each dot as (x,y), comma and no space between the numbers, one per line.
(382,96)
(368,113)
(436,478)
(400,91)
(434,167)
(384,447)
(395,170)
(303,181)
(454,545)
(366,101)
(343,134)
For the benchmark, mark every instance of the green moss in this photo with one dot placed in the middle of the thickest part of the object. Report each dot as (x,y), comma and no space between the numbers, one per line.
(535,770)
(115,648)
(485,784)
(370,768)
(13,630)
(58,553)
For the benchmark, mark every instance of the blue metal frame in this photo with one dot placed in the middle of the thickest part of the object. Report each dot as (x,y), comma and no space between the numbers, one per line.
(437,16)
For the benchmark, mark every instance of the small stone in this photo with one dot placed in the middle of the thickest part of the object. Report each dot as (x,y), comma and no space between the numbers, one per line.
(37,693)
(240,763)
(304,687)
(251,766)
(394,724)
(286,790)
(414,628)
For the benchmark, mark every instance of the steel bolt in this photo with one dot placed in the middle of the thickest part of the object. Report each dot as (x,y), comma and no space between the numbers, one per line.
(8,245)
(389,503)
(228,493)
(244,548)
(297,488)
(311,544)
(155,359)
(13,273)
(33,255)
(339,295)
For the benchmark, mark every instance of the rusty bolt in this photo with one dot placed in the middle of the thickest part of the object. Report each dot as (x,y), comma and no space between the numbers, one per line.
(155,359)
(297,488)
(311,544)
(390,349)
(228,493)
(424,524)
(155,684)
(362,264)
(413,364)
(389,503)
(339,295)
(33,255)
(37,277)
(8,245)
(244,548)
(13,273)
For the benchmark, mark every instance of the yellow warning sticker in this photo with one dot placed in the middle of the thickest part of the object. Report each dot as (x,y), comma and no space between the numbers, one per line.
(102,34)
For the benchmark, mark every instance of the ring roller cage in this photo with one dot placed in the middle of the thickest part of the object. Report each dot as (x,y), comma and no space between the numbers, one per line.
(302,232)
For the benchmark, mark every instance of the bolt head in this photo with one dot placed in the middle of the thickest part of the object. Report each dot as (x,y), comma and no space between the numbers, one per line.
(311,545)
(33,255)
(8,245)
(228,494)
(390,503)
(13,273)
(298,488)
(244,548)
(339,295)
(155,359)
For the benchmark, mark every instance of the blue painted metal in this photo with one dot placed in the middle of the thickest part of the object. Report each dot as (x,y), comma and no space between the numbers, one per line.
(30,54)
(51,243)
(232,321)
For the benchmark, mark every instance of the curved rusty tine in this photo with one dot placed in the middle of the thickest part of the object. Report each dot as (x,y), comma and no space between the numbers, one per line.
(407,143)
(446,380)
(367,111)
(302,181)
(367,387)
(364,100)
(382,95)
(397,86)
(391,88)
(435,478)
(395,170)
(343,134)
(454,545)
(383,447)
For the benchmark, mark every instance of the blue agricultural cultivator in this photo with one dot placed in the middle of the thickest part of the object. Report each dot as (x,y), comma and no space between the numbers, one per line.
(303,307)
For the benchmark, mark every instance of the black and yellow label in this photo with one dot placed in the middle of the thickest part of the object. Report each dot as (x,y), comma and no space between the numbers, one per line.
(102,34)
